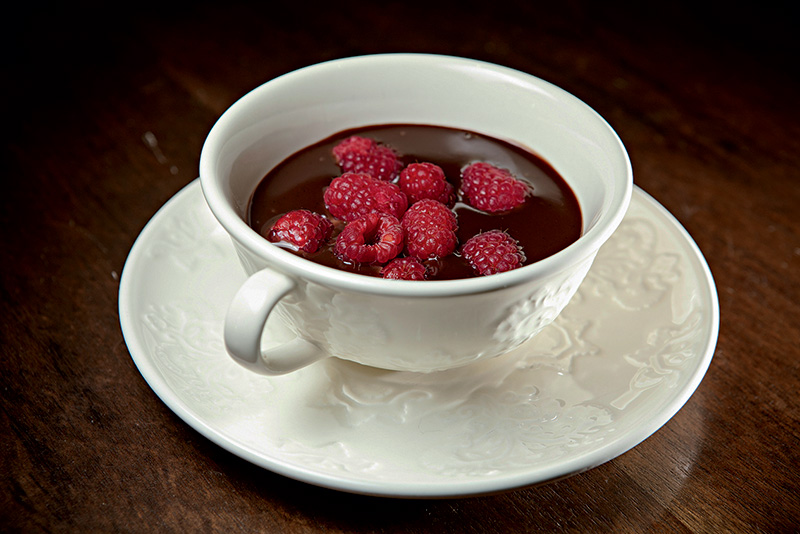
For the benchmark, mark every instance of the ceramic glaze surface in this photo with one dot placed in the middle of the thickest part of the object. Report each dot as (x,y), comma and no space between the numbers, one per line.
(335,313)
(423,334)
(623,356)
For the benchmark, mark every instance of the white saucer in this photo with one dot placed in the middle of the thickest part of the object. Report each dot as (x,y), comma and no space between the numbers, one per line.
(620,361)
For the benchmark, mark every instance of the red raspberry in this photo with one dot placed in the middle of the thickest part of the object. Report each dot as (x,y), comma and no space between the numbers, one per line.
(350,196)
(426,180)
(302,228)
(363,155)
(492,189)
(373,238)
(493,252)
(407,268)
(430,230)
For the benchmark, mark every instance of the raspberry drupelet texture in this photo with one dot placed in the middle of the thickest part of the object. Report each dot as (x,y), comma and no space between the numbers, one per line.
(407,268)
(430,228)
(373,238)
(493,252)
(303,229)
(492,189)
(353,195)
(363,155)
(426,181)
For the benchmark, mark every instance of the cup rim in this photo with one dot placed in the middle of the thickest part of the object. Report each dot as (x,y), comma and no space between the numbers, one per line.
(286,262)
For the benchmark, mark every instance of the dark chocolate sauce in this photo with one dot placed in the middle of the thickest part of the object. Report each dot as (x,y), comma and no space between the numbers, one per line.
(549,221)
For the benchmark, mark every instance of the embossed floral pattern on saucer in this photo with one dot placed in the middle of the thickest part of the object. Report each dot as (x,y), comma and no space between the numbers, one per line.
(618,363)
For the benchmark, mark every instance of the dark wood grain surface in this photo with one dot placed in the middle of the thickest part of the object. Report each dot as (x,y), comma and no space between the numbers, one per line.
(105,113)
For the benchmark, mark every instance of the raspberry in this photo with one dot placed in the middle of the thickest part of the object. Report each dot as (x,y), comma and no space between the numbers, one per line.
(304,229)
(426,180)
(493,252)
(373,238)
(430,228)
(407,268)
(362,155)
(492,189)
(351,196)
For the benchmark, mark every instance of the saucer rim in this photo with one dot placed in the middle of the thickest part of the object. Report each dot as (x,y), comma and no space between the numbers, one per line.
(410,489)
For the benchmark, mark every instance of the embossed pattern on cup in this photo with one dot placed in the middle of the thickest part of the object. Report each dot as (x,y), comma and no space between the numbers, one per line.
(419,326)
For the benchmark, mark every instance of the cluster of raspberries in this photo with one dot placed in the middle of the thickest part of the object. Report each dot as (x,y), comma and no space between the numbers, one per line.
(399,217)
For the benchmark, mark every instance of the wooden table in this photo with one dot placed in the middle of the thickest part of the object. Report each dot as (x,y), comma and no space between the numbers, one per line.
(105,114)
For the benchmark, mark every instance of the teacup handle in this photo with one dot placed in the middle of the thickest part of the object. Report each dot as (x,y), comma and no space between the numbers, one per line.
(245,321)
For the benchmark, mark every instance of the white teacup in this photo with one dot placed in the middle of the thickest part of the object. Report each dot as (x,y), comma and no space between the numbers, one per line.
(404,325)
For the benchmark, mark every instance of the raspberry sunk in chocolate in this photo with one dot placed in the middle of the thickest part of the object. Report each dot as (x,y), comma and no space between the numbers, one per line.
(492,189)
(406,268)
(303,229)
(353,195)
(363,155)
(430,228)
(373,238)
(421,181)
(493,252)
